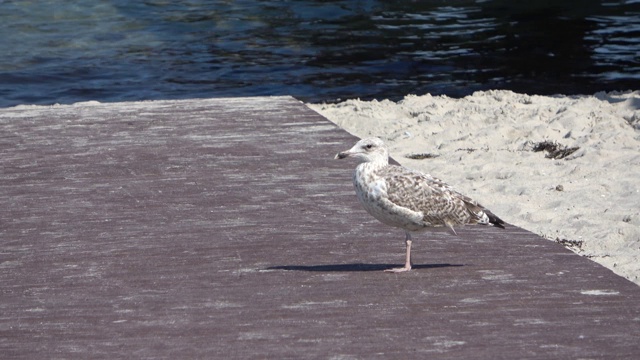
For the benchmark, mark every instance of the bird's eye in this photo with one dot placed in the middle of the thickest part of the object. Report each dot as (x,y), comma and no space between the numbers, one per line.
(368,146)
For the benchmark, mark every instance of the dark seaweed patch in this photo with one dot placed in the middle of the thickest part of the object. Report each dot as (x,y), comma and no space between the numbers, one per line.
(554,150)
(421,156)
(570,244)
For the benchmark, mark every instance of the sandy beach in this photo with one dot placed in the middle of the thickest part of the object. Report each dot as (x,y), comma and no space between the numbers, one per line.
(564,167)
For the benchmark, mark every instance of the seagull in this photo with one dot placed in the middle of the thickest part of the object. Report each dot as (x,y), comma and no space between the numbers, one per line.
(409,199)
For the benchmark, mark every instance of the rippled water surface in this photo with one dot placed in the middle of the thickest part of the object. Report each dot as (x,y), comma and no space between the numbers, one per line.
(69,51)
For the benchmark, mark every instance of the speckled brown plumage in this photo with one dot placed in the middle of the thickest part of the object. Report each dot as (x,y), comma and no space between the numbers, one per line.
(440,204)
(409,199)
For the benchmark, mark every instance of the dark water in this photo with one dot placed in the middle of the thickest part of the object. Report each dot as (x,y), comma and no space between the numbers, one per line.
(67,51)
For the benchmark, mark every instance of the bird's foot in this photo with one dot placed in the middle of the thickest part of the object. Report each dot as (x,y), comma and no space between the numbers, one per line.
(398,270)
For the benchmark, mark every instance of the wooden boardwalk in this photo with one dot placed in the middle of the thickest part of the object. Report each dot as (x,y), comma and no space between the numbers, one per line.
(224,229)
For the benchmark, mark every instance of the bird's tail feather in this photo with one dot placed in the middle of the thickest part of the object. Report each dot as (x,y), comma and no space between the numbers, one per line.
(484,216)
(494,220)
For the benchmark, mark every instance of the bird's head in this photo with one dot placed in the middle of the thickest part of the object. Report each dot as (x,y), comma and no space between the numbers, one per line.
(367,150)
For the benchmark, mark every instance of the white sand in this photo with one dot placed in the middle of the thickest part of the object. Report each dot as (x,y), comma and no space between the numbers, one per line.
(484,147)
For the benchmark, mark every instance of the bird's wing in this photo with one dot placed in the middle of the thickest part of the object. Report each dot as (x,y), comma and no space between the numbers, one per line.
(440,204)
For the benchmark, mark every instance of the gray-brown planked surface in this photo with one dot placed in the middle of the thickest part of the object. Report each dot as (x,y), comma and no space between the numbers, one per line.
(223,229)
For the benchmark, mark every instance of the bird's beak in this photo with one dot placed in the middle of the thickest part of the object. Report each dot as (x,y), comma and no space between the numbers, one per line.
(342,155)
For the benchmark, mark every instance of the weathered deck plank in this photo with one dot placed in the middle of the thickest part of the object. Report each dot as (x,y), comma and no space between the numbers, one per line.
(223,229)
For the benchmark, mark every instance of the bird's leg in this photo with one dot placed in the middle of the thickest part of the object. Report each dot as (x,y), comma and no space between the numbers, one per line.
(407,262)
